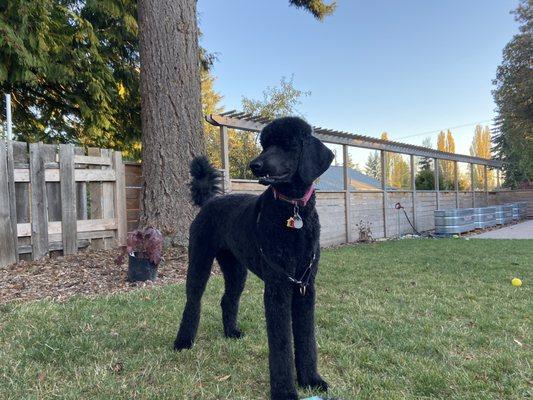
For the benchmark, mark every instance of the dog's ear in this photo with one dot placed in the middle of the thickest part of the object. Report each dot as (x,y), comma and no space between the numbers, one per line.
(315,159)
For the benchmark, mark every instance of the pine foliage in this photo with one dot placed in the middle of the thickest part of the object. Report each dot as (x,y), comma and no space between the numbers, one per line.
(513,136)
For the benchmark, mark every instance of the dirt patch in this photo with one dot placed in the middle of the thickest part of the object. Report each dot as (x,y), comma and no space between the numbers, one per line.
(88,273)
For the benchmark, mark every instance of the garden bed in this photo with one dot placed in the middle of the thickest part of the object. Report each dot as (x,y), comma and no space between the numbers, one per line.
(88,273)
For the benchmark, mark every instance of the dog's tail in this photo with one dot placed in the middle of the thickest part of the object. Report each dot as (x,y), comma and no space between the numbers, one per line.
(205,182)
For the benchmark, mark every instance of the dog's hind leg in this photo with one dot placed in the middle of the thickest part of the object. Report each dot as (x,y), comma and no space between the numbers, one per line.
(200,263)
(234,280)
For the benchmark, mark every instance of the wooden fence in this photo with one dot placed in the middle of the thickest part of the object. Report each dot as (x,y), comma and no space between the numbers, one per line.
(59,198)
(62,199)
(339,218)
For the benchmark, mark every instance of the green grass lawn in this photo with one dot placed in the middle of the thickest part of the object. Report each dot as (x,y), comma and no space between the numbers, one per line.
(412,319)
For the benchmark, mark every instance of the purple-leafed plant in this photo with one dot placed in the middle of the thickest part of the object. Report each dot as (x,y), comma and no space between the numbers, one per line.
(143,243)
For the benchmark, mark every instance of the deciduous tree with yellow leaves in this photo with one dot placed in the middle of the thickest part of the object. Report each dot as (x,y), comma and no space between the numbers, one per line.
(481,147)
(396,169)
(446,142)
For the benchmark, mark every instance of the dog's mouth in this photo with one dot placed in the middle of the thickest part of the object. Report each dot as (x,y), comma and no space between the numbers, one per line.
(272,179)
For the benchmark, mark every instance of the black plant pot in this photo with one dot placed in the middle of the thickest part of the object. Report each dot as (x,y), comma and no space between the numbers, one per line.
(141,269)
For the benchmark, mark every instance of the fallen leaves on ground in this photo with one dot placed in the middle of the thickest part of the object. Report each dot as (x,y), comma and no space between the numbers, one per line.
(87,273)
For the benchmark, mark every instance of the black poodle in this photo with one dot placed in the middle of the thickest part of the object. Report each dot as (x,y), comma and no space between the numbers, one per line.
(276,236)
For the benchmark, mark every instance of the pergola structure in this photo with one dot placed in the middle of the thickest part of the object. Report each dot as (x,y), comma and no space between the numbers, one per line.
(247,122)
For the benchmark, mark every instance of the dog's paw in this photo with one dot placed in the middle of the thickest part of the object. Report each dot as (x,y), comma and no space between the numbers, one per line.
(234,334)
(314,383)
(182,344)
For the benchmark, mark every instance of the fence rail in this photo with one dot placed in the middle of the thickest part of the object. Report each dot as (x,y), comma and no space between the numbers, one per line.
(59,198)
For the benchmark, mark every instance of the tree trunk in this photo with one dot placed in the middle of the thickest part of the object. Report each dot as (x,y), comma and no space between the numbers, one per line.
(171,112)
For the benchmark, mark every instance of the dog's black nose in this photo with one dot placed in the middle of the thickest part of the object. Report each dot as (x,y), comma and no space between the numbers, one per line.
(255,166)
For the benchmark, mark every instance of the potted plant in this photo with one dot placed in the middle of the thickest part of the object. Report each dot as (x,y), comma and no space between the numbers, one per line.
(144,248)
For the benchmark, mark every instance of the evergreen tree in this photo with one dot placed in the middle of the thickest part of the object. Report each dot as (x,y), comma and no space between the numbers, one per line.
(425,162)
(373,165)
(425,180)
(317,7)
(425,177)
(513,97)
(72,70)
(352,164)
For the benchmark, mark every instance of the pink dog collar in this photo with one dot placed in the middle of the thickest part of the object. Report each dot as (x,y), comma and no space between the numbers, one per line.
(301,202)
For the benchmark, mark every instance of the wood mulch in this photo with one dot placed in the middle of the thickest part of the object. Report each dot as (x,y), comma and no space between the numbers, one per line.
(87,273)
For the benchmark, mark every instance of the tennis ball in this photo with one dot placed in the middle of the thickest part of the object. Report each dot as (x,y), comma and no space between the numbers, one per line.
(516,282)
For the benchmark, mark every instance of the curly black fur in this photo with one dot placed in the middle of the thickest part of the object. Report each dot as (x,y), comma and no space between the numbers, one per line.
(205,182)
(232,228)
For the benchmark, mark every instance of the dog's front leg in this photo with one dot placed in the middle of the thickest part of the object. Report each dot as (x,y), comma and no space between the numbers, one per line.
(305,349)
(278,298)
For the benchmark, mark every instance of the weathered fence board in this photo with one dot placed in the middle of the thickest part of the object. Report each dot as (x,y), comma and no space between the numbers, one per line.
(39,202)
(68,199)
(81,190)
(8,253)
(81,175)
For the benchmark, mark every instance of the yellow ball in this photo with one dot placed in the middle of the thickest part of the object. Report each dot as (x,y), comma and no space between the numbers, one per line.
(516,282)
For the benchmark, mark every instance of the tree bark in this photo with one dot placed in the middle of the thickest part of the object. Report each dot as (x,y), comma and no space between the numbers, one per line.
(171,112)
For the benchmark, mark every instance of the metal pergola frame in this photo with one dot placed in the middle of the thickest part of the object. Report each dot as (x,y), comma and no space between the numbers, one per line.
(248,122)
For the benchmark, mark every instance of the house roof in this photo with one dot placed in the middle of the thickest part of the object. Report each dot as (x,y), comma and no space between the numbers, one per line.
(333,179)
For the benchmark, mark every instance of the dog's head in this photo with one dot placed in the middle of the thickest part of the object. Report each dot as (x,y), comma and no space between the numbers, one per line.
(290,154)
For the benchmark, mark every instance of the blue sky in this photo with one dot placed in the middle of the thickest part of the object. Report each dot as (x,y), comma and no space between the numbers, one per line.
(405,67)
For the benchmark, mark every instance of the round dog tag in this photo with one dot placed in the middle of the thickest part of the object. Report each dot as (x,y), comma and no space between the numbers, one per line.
(298,222)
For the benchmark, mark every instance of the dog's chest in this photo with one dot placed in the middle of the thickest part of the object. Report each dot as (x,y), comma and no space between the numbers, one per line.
(287,244)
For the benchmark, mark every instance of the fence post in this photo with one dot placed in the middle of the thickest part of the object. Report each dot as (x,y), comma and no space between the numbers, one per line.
(456,175)
(486,185)
(437,186)
(413,188)
(67,180)
(12,195)
(347,205)
(472,189)
(224,157)
(39,202)
(120,197)
(384,189)
(8,242)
